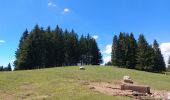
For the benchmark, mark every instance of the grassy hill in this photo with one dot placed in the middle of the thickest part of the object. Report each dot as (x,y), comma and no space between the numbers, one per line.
(63,83)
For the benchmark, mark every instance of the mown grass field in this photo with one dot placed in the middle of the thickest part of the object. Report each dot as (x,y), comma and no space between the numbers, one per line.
(63,83)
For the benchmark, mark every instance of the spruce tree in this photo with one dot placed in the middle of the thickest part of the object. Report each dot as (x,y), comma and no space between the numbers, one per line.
(52,48)
(142,53)
(58,46)
(71,48)
(169,64)
(149,64)
(121,49)
(83,49)
(20,54)
(132,52)
(114,53)
(95,53)
(159,64)
(9,67)
(1,68)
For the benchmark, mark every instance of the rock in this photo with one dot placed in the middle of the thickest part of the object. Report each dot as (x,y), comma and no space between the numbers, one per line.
(127,79)
(92,87)
(137,88)
(82,68)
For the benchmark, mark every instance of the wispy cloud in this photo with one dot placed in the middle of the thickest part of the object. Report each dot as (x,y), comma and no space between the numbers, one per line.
(2,41)
(51,4)
(165,49)
(95,37)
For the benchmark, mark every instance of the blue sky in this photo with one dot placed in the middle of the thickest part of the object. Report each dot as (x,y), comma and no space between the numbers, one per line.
(101,18)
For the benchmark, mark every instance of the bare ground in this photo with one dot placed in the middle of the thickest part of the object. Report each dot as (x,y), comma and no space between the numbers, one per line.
(113,89)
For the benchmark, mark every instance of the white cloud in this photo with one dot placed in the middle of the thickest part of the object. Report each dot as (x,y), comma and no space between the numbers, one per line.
(108,49)
(12,60)
(106,59)
(107,54)
(95,37)
(51,4)
(165,49)
(66,10)
(2,41)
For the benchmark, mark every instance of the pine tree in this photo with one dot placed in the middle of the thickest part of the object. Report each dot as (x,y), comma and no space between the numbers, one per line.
(52,48)
(20,53)
(83,49)
(1,68)
(9,67)
(142,53)
(149,64)
(169,64)
(89,51)
(58,46)
(71,48)
(121,49)
(95,53)
(114,54)
(132,52)
(159,64)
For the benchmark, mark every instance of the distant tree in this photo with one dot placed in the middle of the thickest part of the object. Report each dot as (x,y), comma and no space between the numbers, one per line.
(142,53)
(132,52)
(9,67)
(1,68)
(169,64)
(58,40)
(109,63)
(83,49)
(114,53)
(53,48)
(121,49)
(96,57)
(159,64)
(20,53)
(149,64)
(71,48)
(89,51)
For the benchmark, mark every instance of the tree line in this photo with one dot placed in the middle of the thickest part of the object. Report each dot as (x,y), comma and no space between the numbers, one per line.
(7,68)
(127,52)
(44,48)
(168,64)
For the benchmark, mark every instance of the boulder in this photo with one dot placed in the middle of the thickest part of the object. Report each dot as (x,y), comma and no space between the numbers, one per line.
(137,88)
(127,79)
(82,68)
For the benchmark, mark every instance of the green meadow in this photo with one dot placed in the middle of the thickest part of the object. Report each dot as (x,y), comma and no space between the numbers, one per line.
(63,83)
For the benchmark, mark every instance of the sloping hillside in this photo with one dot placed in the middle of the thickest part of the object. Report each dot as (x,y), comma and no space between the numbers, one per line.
(64,83)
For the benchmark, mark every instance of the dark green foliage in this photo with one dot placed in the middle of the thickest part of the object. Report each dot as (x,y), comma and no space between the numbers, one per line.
(109,63)
(121,50)
(71,48)
(1,68)
(132,50)
(7,68)
(124,51)
(168,64)
(89,51)
(127,53)
(53,48)
(142,53)
(114,54)
(159,64)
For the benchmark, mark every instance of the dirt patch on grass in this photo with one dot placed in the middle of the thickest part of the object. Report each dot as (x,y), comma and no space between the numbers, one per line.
(113,89)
